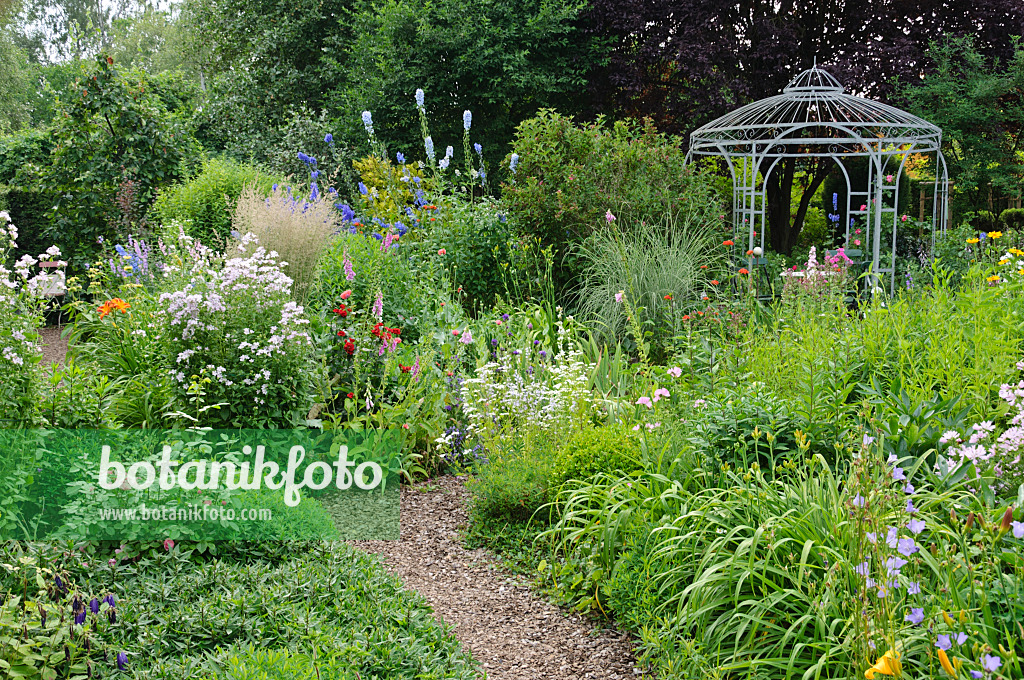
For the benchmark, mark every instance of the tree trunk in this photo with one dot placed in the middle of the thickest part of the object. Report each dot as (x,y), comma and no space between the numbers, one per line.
(783,227)
(778,193)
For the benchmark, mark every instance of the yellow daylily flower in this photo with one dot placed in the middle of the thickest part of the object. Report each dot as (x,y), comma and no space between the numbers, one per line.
(889,664)
(951,666)
(947,618)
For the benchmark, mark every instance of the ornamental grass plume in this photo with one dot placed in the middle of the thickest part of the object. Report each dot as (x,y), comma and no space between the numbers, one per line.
(298,230)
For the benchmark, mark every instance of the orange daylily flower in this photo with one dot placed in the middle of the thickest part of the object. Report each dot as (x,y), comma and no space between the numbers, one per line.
(117,304)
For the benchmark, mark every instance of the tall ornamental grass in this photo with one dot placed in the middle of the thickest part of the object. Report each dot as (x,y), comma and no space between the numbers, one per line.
(298,229)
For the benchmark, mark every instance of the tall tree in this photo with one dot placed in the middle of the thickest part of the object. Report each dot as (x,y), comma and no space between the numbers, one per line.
(503,60)
(979,104)
(685,62)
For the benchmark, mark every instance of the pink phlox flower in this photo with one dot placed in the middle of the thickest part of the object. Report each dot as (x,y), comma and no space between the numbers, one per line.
(661,392)
(645,401)
(675,371)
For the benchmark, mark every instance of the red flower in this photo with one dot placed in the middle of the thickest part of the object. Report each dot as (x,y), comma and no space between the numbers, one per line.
(342,334)
(703,266)
(350,395)
(714,282)
(405,369)
(668,297)
(729,242)
(686,317)
(750,252)
(744,270)
(350,347)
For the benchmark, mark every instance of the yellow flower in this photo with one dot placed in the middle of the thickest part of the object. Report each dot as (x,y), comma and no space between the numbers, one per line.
(995,234)
(889,664)
(993,278)
(972,240)
(1021,272)
(1015,251)
(947,666)
(1003,261)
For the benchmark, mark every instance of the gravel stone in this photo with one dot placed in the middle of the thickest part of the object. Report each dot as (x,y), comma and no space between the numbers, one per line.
(514,634)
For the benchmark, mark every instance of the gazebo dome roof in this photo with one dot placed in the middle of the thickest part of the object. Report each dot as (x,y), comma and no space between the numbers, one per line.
(815,116)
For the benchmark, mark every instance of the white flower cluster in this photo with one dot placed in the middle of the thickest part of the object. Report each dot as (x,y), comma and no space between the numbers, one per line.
(239,324)
(21,297)
(978,445)
(526,395)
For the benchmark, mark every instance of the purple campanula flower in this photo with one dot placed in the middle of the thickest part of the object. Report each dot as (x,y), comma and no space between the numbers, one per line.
(991,663)
(916,616)
(329,138)
(943,643)
(122,661)
(859,501)
(913,588)
(916,526)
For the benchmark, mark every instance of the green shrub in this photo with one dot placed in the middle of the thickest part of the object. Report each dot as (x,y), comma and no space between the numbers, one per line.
(1012,218)
(745,426)
(208,200)
(116,144)
(475,237)
(513,487)
(599,449)
(570,174)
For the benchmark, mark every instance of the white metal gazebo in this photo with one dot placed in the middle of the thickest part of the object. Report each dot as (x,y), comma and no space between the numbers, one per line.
(815,117)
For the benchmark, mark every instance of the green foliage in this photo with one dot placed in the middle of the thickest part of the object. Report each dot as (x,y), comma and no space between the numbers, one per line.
(514,487)
(745,426)
(207,201)
(977,104)
(502,60)
(599,449)
(26,201)
(307,131)
(475,237)
(110,129)
(569,175)
(262,59)
(334,608)
(1012,218)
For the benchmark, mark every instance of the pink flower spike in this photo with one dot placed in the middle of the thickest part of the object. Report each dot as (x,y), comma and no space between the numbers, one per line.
(609,216)
(618,296)
(645,401)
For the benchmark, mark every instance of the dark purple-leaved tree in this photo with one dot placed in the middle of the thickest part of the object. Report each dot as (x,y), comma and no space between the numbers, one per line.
(686,62)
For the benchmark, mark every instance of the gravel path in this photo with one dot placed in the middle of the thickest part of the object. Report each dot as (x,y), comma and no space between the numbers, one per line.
(514,634)
(54,347)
